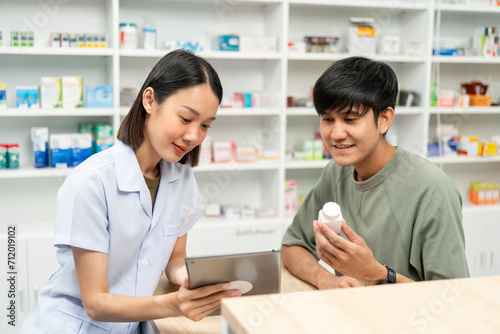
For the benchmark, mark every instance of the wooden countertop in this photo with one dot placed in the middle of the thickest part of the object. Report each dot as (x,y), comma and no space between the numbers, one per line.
(213,325)
(469,305)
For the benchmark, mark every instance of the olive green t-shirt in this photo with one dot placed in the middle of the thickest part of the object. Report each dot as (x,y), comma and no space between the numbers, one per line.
(409,214)
(153,185)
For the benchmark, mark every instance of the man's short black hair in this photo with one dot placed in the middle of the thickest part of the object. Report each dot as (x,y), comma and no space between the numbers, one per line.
(356,82)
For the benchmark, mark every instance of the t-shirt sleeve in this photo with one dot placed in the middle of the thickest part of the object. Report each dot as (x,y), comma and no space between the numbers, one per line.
(81,219)
(438,242)
(300,232)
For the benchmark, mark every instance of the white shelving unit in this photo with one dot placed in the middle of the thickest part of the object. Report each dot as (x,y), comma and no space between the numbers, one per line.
(28,194)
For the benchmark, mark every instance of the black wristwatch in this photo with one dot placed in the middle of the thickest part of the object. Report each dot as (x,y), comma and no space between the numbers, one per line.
(391,276)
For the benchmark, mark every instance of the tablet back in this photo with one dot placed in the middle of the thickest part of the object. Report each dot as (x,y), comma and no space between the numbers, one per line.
(261,269)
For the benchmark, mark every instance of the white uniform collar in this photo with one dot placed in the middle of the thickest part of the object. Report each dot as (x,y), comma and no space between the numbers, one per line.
(128,170)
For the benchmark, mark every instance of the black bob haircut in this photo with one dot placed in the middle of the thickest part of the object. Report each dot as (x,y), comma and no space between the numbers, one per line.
(356,82)
(176,70)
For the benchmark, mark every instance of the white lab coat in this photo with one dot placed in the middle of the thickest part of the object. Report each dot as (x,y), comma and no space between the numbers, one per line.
(105,206)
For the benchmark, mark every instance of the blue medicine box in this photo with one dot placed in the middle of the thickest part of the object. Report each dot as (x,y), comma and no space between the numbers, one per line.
(99,96)
(229,43)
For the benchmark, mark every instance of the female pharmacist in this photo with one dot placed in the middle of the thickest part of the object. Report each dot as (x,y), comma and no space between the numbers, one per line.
(123,214)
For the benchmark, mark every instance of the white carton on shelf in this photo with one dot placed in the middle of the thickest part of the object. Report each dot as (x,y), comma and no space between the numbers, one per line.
(258,44)
(72,92)
(360,38)
(51,92)
(60,150)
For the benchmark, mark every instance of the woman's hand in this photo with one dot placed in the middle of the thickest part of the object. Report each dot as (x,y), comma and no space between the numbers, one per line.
(196,304)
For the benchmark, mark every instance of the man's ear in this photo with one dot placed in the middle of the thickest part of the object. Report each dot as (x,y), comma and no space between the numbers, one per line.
(148,99)
(385,119)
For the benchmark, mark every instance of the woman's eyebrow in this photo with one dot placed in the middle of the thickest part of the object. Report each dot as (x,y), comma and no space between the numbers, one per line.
(194,111)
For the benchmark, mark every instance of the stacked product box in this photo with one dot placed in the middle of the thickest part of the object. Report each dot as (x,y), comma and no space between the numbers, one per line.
(69,150)
(481,193)
(27,97)
(104,137)
(99,96)
(3,95)
(77,40)
(72,92)
(9,156)
(51,92)
(40,141)
(290,198)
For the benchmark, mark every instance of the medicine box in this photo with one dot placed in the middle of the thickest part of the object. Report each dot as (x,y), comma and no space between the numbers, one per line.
(290,197)
(103,137)
(89,128)
(55,40)
(22,97)
(40,142)
(60,150)
(223,151)
(72,92)
(318,149)
(3,95)
(14,38)
(229,43)
(390,45)
(307,147)
(99,96)
(258,44)
(27,97)
(65,40)
(51,92)
(360,37)
(3,156)
(127,96)
(13,155)
(81,147)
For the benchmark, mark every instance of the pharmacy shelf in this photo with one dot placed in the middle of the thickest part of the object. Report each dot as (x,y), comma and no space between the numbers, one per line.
(465,60)
(230,4)
(158,53)
(309,164)
(463,159)
(233,167)
(464,110)
(248,112)
(362,4)
(467,8)
(318,56)
(36,51)
(60,112)
(243,112)
(222,222)
(34,173)
(303,111)
(472,208)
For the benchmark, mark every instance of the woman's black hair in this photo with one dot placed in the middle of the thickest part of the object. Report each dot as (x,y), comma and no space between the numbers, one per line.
(356,82)
(176,70)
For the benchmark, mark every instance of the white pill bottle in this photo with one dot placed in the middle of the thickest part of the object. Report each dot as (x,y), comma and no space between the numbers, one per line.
(331,216)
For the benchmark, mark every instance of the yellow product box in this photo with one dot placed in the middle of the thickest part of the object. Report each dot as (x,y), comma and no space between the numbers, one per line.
(89,40)
(489,149)
(3,95)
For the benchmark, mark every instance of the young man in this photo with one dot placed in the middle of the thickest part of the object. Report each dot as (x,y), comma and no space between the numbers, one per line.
(402,214)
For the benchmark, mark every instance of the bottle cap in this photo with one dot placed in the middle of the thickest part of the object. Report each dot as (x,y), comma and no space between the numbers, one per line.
(331,210)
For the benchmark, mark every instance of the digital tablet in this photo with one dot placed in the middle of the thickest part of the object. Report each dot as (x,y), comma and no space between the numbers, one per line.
(253,273)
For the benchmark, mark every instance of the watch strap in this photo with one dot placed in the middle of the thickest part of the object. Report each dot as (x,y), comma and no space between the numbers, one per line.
(391,276)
